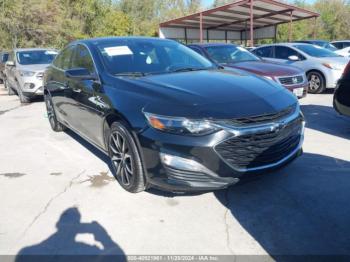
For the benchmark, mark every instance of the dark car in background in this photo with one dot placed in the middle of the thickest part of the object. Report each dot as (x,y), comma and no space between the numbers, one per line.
(233,56)
(321,43)
(168,117)
(341,100)
(3,59)
(341,44)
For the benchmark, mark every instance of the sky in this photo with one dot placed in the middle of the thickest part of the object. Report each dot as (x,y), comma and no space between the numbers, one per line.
(208,3)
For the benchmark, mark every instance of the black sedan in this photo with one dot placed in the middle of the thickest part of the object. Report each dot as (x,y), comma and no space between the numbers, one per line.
(341,101)
(168,117)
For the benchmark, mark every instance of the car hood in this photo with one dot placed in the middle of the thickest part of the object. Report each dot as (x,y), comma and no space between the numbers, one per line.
(33,68)
(266,68)
(211,94)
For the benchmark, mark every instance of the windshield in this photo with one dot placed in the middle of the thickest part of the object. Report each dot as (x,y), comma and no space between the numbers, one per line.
(316,51)
(35,57)
(230,54)
(149,56)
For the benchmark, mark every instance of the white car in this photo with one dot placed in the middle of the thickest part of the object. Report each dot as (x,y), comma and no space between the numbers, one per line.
(323,67)
(344,52)
(24,71)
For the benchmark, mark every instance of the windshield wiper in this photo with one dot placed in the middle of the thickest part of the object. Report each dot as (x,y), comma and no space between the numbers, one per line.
(135,74)
(187,69)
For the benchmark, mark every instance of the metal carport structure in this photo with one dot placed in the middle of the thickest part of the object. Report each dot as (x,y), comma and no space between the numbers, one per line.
(256,19)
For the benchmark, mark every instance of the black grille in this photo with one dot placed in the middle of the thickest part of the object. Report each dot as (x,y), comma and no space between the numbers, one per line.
(260,119)
(260,149)
(294,80)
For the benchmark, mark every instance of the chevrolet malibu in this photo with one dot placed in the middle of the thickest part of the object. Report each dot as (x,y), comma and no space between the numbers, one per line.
(169,118)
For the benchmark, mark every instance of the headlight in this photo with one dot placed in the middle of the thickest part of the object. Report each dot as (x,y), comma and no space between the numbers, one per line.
(180,125)
(333,66)
(26,73)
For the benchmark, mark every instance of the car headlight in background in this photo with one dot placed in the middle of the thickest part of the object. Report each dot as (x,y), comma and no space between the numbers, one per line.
(269,78)
(180,125)
(26,73)
(333,66)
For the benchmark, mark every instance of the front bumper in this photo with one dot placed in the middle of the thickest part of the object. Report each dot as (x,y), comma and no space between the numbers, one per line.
(197,165)
(332,77)
(32,86)
(304,87)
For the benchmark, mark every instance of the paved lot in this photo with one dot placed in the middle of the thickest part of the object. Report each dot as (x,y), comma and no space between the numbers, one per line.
(57,196)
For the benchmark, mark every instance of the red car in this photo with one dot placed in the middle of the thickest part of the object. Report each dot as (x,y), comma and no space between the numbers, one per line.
(229,55)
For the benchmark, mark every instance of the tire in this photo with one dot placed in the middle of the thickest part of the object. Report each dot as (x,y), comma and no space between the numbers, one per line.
(125,158)
(23,98)
(55,125)
(317,83)
(10,91)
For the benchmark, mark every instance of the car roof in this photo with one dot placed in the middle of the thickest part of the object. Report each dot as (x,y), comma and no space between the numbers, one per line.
(32,49)
(107,39)
(339,41)
(211,44)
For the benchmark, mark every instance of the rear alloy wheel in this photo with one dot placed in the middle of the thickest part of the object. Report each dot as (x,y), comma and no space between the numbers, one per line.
(10,91)
(55,125)
(125,159)
(316,82)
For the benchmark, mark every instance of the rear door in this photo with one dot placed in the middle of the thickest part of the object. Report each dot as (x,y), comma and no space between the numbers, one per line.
(57,84)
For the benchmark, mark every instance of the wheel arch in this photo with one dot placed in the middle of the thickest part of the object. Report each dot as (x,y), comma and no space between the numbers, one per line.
(118,117)
(317,71)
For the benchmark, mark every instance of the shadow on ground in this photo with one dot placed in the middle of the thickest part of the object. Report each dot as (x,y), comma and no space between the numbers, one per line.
(325,119)
(63,246)
(302,209)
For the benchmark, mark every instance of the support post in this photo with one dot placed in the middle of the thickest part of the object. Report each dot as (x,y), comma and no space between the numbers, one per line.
(186,39)
(315,28)
(290,32)
(251,23)
(208,35)
(226,36)
(246,34)
(275,38)
(201,28)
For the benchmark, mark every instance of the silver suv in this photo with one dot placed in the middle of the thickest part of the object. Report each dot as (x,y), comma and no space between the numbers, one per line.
(24,71)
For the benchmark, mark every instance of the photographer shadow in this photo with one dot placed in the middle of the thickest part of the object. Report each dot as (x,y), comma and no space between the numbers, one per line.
(63,246)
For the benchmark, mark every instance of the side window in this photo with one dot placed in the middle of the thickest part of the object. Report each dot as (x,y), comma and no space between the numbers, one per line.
(338,45)
(4,57)
(83,59)
(264,51)
(346,44)
(283,52)
(196,49)
(62,61)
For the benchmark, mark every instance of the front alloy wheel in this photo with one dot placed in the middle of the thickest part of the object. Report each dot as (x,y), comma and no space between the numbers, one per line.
(126,161)
(316,83)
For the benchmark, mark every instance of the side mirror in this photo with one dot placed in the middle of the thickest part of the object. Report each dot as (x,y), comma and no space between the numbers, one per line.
(10,63)
(293,58)
(80,74)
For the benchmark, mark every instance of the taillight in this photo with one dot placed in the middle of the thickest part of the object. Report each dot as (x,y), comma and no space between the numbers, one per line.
(346,71)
